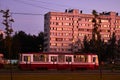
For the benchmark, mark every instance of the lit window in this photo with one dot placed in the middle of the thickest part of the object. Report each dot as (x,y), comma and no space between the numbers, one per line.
(60,23)
(65,44)
(57,18)
(117,26)
(52,39)
(59,28)
(81,34)
(53,44)
(66,24)
(104,20)
(90,20)
(67,18)
(106,35)
(59,44)
(53,17)
(83,24)
(105,25)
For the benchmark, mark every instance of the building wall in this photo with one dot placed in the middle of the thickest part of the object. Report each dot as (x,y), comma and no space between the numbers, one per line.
(62,29)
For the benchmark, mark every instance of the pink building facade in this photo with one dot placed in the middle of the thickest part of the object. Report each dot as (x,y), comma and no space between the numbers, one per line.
(63,29)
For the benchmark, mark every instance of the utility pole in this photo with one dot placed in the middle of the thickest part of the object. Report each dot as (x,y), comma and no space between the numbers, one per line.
(7,21)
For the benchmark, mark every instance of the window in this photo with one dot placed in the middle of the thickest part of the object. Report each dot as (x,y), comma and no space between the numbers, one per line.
(67,18)
(53,17)
(118,26)
(105,25)
(59,44)
(60,23)
(57,18)
(68,58)
(90,20)
(81,34)
(61,58)
(65,44)
(105,35)
(67,24)
(80,58)
(53,44)
(59,39)
(52,39)
(94,59)
(26,58)
(53,58)
(59,29)
(103,20)
(56,23)
(39,57)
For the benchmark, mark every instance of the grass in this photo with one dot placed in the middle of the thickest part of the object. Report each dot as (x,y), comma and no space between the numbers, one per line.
(64,76)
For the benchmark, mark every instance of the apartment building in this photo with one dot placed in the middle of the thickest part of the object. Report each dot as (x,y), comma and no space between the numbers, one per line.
(63,29)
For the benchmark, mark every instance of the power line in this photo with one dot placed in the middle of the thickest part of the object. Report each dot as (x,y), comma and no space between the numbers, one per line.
(62,5)
(35,5)
(26,13)
(51,3)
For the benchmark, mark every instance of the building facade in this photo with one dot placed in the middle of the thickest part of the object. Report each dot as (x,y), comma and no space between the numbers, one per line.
(63,29)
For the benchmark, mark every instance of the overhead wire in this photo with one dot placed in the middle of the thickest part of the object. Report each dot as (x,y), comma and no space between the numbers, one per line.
(50,3)
(23,2)
(26,13)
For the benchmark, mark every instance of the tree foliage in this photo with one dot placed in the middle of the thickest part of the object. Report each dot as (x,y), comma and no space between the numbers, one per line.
(22,42)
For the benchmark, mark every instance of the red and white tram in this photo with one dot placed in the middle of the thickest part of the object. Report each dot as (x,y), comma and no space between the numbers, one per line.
(58,61)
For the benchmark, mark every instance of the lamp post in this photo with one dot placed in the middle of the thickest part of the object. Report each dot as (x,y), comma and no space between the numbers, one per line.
(7,21)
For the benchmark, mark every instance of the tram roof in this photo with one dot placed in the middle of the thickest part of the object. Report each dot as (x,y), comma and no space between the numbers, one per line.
(59,53)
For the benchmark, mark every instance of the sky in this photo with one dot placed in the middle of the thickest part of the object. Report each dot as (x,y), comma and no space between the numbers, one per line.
(29,14)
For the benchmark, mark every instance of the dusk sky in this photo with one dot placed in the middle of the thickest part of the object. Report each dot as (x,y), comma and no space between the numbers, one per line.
(33,22)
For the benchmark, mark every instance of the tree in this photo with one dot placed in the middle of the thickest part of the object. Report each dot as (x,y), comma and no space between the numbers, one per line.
(86,47)
(23,42)
(96,37)
(40,41)
(8,31)
(77,46)
(118,50)
(1,43)
(111,48)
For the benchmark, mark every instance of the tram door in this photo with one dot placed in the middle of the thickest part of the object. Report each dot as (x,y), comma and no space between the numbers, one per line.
(27,60)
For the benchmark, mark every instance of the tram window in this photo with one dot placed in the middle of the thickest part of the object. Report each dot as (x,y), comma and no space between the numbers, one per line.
(80,58)
(68,59)
(39,57)
(42,58)
(53,58)
(86,59)
(61,58)
(94,59)
(26,58)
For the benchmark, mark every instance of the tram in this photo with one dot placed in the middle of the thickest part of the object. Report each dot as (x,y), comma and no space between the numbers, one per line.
(58,61)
